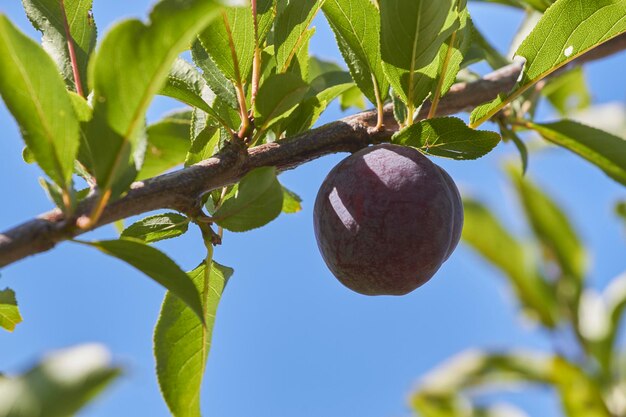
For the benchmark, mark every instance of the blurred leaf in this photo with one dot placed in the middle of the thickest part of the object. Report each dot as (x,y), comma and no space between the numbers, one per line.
(620,209)
(482,49)
(158,227)
(584,29)
(473,369)
(9,312)
(290,29)
(35,94)
(484,233)
(154,264)
(168,141)
(291,202)
(352,97)
(49,18)
(60,385)
(615,296)
(412,34)
(447,137)
(254,202)
(568,92)
(123,93)
(182,342)
(356,24)
(606,151)
(554,231)
(278,97)
(229,40)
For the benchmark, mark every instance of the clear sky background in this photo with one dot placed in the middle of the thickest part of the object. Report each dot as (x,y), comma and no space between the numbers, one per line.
(289,339)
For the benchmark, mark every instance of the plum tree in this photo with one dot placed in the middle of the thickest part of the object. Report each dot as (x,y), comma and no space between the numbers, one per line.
(386,218)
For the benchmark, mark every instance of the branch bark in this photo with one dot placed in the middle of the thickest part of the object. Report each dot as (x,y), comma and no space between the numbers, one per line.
(182,190)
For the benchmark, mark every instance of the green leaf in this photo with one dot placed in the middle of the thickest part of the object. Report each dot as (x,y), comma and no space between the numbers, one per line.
(324,89)
(168,141)
(159,227)
(54,193)
(447,137)
(63,383)
(290,29)
(154,264)
(35,94)
(254,202)
(356,24)
(453,50)
(182,343)
(568,92)
(266,13)
(51,17)
(481,49)
(291,202)
(184,83)
(219,84)
(485,234)
(9,313)
(205,139)
(552,228)
(606,151)
(573,28)
(411,36)
(509,134)
(229,40)
(123,93)
(353,97)
(278,97)
(300,62)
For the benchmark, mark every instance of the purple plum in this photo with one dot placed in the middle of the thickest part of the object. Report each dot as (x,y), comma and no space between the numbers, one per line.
(386,218)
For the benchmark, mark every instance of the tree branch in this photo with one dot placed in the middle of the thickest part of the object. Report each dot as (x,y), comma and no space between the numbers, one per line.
(183,189)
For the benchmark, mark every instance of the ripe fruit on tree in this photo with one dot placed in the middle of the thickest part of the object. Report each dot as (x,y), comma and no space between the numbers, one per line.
(386,218)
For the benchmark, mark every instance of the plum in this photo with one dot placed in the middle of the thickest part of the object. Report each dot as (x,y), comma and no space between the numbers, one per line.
(386,218)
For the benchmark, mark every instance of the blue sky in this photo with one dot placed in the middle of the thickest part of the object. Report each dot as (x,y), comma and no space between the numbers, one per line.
(289,339)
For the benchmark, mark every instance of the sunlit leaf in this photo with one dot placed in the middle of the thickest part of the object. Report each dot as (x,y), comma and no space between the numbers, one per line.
(182,343)
(35,93)
(53,18)
(130,67)
(606,151)
(411,36)
(572,28)
(157,228)
(9,313)
(447,137)
(356,24)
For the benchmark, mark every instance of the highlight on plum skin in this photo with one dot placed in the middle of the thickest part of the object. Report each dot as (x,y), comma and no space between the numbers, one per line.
(386,218)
